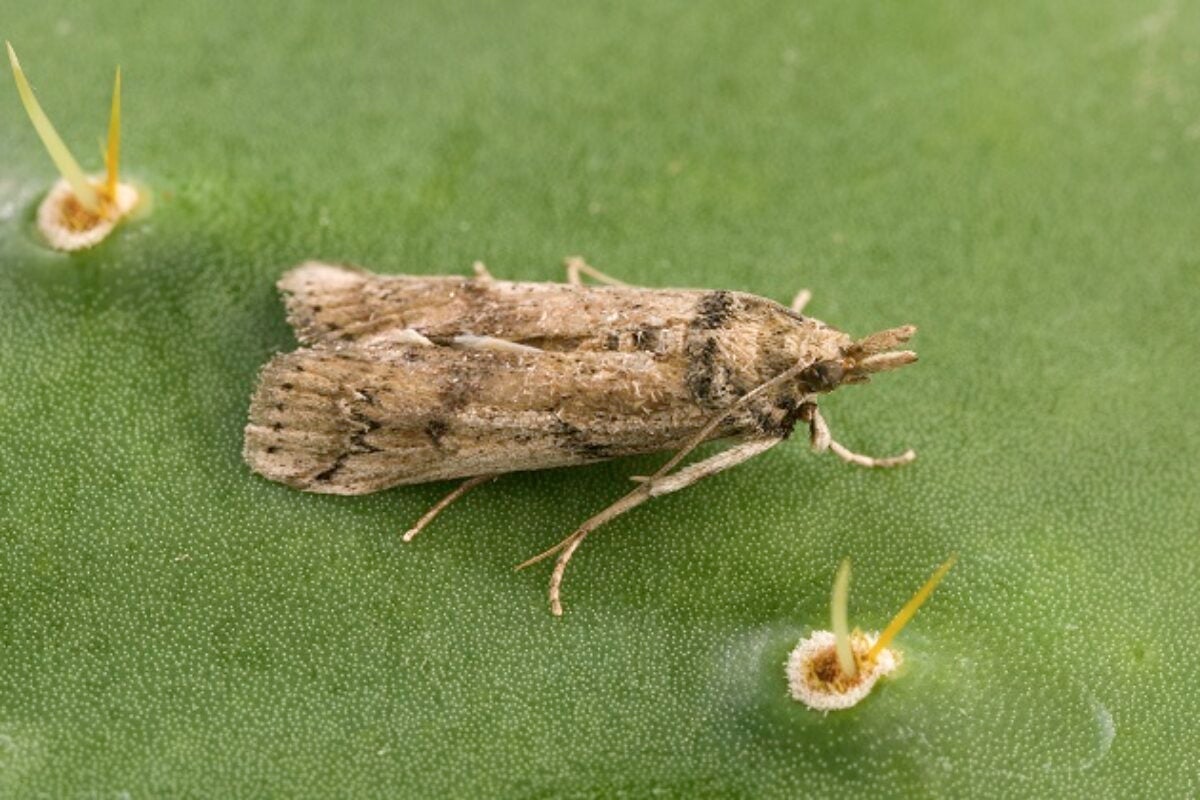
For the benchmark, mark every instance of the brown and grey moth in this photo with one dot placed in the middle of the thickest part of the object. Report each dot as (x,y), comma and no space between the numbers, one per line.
(409,379)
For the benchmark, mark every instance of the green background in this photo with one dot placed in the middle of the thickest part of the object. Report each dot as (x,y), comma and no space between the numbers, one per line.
(1021,180)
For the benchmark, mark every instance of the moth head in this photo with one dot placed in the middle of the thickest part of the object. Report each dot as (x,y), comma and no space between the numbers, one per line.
(858,361)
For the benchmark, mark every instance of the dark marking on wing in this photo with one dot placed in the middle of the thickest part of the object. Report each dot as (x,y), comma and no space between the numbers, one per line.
(327,475)
(574,440)
(435,429)
(647,339)
(701,372)
(779,419)
(358,444)
(461,385)
(556,344)
(713,310)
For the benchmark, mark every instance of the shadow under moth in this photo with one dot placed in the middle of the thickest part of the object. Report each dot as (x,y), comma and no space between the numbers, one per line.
(409,379)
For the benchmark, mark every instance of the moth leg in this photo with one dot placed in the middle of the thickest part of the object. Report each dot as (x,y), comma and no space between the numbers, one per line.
(851,457)
(822,440)
(801,300)
(652,487)
(481,272)
(441,505)
(577,267)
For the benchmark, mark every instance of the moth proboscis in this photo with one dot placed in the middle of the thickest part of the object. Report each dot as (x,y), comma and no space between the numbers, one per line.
(410,379)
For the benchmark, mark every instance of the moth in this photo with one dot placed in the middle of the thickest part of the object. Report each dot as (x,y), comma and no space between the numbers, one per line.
(410,379)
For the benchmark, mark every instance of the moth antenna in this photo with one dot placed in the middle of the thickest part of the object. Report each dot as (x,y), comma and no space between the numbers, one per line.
(542,556)
(910,609)
(112,154)
(577,268)
(444,503)
(838,617)
(58,150)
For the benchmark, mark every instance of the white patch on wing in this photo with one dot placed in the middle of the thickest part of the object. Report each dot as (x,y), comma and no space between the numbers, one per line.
(469,342)
(401,336)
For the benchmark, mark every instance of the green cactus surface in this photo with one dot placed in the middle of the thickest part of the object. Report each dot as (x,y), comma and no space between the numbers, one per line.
(1021,180)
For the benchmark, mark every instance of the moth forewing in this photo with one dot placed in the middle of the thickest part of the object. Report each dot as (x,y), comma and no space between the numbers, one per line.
(414,379)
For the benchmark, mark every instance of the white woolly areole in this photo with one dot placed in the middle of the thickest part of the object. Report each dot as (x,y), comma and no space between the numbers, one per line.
(804,670)
(61,235)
